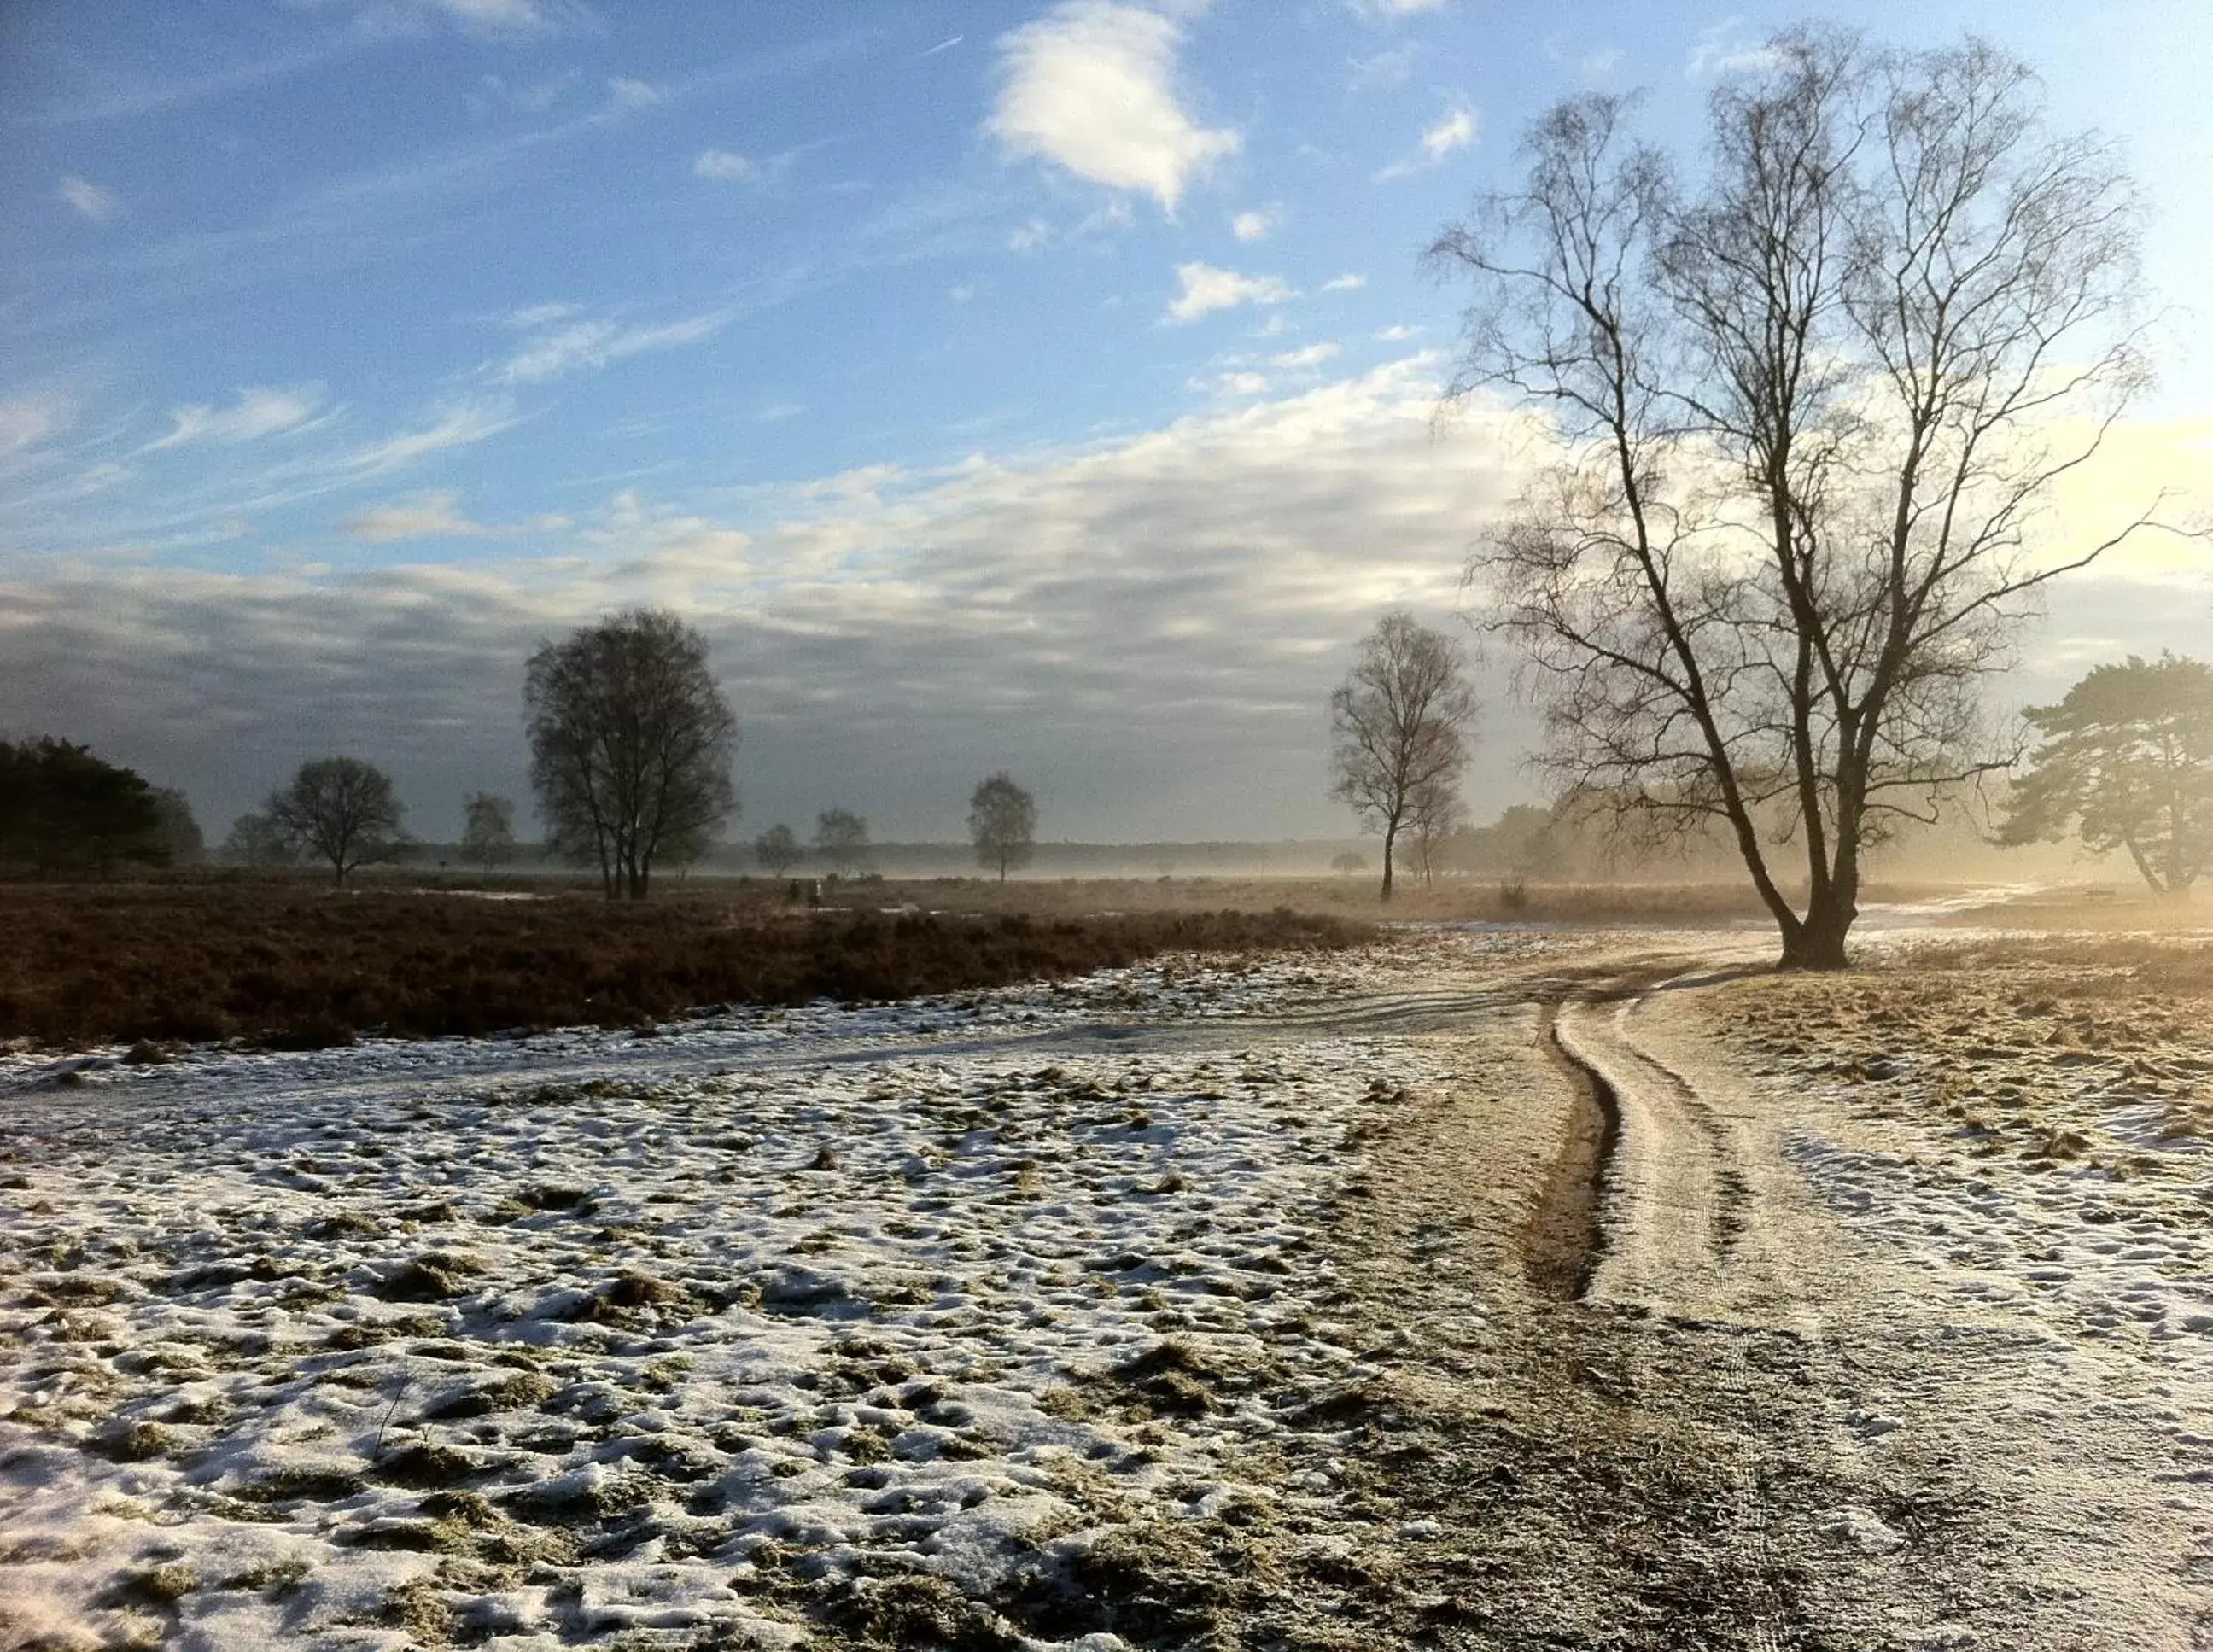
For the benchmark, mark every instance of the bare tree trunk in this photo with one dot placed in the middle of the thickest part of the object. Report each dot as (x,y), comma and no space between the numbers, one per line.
(1390,836)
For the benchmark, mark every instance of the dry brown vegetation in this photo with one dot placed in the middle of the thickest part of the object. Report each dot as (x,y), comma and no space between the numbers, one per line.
(1464,899)
(2092,908)
(288,965)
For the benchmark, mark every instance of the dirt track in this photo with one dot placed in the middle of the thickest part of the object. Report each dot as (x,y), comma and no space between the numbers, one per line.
(1750,1431)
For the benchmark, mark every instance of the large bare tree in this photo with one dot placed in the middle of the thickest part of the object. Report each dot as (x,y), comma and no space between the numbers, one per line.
(1400,721)
(1809,410)
(630,742)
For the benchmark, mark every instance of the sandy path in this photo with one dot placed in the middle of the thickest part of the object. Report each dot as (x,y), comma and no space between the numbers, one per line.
(1855,1440)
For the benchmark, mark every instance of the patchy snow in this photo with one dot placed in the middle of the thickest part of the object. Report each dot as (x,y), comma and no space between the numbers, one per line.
(782,1312)
(2042,1227)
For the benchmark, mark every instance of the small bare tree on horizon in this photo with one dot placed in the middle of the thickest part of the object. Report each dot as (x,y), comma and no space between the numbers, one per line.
(843,839)
(1003,824)
(1808,417)
(777,850)
(630,743)
(339,809)
(1434,813)
(488,828)
(1400,723)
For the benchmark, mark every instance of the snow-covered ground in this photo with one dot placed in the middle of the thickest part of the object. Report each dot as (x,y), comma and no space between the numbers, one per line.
(882,1314)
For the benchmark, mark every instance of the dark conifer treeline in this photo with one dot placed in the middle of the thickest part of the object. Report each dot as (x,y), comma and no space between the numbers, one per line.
(64,811)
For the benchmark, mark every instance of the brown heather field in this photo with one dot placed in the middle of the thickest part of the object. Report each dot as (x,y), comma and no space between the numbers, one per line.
(290,964)
(284,959)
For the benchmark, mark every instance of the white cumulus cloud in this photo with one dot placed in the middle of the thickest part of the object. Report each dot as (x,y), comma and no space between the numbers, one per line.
(1206,289)
(1460,128)
(1255,225)
(438,515)
(1089,87)
(431,517)
(1455,131)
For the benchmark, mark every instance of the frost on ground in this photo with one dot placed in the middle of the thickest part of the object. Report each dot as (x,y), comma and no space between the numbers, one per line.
(905,1349)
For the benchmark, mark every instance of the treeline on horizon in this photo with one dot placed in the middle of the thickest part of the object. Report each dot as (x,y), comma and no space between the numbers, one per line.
(67,814)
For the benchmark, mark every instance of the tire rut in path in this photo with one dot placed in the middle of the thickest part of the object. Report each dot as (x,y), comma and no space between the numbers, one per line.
(1566,1232)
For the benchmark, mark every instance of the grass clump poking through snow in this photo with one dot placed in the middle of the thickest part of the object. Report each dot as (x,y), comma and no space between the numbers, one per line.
(293,969)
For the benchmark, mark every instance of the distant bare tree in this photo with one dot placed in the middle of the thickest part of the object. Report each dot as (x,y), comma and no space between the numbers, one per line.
(256,840)
(1003,824)
(180,831)
(1400,721)
(1807,420)
(777,850)
(488,828)
(1433,812)
(342,810)
(630,743)
(843,838)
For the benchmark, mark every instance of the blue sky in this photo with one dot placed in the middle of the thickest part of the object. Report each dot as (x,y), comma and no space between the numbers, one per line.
(1034,386)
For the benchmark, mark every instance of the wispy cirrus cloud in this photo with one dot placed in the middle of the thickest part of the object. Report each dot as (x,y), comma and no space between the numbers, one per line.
(1205,288)
(524,317)
(1382,71)
(725,166)
(1390,11)
(588,346)
(94,202)
(458,424)
(532,97)
(364,26)
(1090,87)
(26,421)
(1723,48)
(260,411)
(483,20)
